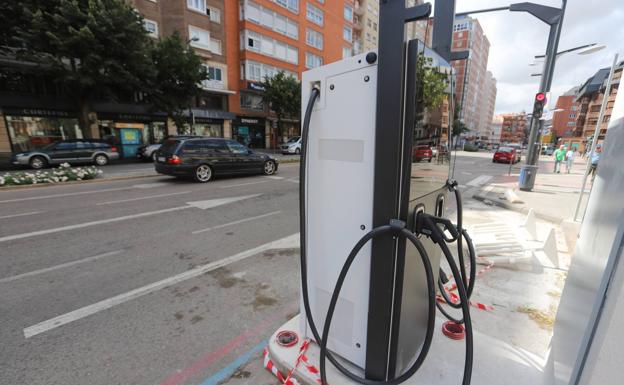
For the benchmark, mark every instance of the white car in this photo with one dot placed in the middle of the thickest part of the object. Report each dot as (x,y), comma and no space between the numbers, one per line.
(293,146)
(148,152)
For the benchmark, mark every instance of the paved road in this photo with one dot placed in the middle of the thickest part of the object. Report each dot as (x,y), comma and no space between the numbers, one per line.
(119,282)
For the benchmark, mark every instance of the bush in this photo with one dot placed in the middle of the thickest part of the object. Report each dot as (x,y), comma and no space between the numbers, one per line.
(471,148)
(64,173)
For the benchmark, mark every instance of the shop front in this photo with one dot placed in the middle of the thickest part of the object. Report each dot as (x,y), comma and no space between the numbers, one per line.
(32,128)
(252,132)
(130,131)
(208,127)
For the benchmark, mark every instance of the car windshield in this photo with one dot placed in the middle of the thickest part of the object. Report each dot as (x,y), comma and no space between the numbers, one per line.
(293,140)
(170,145)
(505,149)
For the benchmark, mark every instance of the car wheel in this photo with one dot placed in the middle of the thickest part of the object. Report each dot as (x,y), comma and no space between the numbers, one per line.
(203,173)
(297,151)
(269,167)
(101,160)
(38,162)
(154,156)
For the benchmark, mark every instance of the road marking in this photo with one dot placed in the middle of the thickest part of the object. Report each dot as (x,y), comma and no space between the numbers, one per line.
(274,177)
(61,266)
(208,204)
(480,180)
(21,215)
(236,222)
(132,170)
(227,371)
(466,173)
(140,198)
(42,327)
(292,180)
(144,185)
(243,184)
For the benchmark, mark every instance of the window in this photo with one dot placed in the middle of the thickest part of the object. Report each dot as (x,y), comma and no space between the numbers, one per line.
(215,77)
(65,146)
(215,46)
(347,52)
(313,60)
(571,124)
(257,71)
(291,5)
(348,13)
(368,22)
(215,14)
(314,14)
(368,36)
(251,101)
(151,27)
(375,26)
(197,5)
(572,116)
(574,108)
(347,33)
(199,37)
(268,46)
(314,38)
(236,148)
(271,19)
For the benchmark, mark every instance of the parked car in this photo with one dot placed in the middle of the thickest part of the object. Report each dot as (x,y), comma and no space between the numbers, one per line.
(434,151)
(148,152)
(71,151)
(292,146)
(518,149)
(421,152)
(505,155)
(204,158)
(548,150)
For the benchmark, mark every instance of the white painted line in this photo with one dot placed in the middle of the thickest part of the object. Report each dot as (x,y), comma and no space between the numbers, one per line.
(42,327)
(208,204)
(274,177)
(21,215)
(141,198)
(293,180)
(61,266)
(64,195)
(236,222)
(480,180)
(243,184)
(466,173)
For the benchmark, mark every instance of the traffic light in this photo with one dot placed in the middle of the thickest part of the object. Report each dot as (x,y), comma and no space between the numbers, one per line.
(538,106)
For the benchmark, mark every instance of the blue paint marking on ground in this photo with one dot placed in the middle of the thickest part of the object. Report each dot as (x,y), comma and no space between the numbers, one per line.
(226,372)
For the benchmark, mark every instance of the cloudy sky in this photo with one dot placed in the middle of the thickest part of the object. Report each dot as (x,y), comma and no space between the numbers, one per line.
(515,37)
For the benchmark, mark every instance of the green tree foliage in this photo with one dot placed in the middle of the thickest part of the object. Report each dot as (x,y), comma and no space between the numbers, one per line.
(90,47)
(458,126)
(432,83)
(179,72)
(283,95)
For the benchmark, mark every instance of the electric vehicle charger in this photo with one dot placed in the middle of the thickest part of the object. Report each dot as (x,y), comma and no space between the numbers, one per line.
(426,224)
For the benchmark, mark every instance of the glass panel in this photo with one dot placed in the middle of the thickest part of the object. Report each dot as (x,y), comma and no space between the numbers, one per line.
(29,133)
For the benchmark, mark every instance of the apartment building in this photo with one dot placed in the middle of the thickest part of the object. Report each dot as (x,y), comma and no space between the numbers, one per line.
(589,99)
(366,26)
(486,107)
(268,36)
(514,128)
(496,130)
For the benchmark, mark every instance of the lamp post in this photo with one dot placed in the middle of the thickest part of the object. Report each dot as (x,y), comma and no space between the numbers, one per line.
(191,114)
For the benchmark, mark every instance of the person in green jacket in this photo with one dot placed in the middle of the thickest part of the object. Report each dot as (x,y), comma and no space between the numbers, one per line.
(559,157)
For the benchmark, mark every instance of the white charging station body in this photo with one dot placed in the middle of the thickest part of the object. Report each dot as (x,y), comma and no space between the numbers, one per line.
(339,192)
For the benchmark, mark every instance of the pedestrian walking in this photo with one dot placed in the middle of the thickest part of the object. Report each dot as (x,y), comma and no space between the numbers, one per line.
(595,158)
(569,159)
(559,157)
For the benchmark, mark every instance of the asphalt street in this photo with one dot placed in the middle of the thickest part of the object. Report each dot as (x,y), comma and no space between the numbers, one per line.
(152,280)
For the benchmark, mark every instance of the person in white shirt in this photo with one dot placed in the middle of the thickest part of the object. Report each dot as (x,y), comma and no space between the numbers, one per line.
(569,159)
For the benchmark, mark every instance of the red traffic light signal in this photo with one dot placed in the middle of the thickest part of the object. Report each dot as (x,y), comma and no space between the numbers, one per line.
(540,97)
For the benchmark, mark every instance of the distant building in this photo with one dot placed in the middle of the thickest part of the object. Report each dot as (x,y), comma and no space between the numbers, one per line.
(563,129)
(487,107)
(365,26)
(514,128)
(496,129)
(589,100)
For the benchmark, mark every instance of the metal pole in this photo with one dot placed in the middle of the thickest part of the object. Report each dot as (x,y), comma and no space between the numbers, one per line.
(603,107)
(545,83)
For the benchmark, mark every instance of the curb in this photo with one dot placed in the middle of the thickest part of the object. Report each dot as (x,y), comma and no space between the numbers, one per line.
(97,180)
(521,209)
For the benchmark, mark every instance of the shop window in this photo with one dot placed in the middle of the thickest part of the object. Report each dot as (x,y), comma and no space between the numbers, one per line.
(28,133)
(251,101)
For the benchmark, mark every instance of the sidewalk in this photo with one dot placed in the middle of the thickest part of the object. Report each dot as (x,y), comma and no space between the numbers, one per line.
(554,197)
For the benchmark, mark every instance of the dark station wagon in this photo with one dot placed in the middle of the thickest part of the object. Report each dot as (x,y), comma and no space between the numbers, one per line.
(204,158)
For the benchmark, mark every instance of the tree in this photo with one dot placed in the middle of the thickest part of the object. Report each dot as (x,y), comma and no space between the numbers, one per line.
(179,73)
(92,48)
(458,126)
(283,95)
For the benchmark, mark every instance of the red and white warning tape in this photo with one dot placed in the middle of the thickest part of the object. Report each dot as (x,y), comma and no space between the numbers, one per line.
(289,380)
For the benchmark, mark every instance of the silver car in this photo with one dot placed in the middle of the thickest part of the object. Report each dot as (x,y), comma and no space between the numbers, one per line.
(74,151)
(293,146)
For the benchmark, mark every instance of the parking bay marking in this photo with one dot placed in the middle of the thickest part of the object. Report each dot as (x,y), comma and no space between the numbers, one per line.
(207,204)
(236,222)
(42,327)
(243,184)
(141,198)
(61,266)
(480,180)
(20,215)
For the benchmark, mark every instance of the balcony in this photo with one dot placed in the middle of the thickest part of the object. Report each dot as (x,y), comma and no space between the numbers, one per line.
(358,23)
(358,9)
